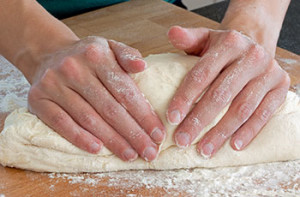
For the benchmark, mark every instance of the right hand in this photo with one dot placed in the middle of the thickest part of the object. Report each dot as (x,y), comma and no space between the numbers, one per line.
(85,94)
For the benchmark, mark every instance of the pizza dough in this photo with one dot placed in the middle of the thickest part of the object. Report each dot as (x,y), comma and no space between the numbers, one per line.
(27,143)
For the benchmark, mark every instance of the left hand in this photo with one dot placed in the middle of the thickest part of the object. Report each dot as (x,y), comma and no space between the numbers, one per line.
(234,69)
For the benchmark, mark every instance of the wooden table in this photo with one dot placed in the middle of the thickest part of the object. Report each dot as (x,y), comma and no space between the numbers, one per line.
(141,24)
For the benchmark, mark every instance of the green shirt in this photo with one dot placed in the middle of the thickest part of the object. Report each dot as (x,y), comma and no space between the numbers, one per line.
(67,8)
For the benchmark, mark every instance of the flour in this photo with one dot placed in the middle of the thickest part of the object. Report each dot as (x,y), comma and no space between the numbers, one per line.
(288,61)
(273,179)
(13,87)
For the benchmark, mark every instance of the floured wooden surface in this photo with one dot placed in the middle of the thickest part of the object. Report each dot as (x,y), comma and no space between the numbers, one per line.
(275,179)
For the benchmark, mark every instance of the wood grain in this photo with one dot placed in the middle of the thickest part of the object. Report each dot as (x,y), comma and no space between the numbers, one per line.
(142,24)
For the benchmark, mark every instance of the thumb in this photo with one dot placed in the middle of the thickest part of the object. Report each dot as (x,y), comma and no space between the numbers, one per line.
(191,40)
(130,59)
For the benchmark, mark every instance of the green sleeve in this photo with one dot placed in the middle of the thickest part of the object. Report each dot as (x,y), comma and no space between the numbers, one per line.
(66,8)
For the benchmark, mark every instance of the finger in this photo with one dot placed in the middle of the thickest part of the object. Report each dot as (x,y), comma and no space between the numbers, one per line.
(191,40)
(198,79)
(56,118)
(114,114)
(105,104)
(90,120)
(129,58)
(260,117)
(238,113)
(229,83)
(125,91)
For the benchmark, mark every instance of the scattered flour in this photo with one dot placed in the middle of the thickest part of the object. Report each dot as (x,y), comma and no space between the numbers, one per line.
(51,188)
(288,61)
(272,179)
(13,87)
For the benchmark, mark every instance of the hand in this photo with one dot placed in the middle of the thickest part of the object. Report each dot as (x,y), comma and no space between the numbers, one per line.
(84,94)
(234,70)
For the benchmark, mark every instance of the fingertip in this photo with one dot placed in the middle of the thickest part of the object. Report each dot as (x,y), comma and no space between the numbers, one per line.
(129,58)
(206,150)
(129,155)
(137,65)
(95,147)
(177,35)
(158,135)
(182,139)
(174,117)
(150,153)
(238,144)
(174,30)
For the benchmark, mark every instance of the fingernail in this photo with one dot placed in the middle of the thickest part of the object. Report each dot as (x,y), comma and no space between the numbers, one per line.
(207,150)
(141,60)
(95,147)
(149,153)
(145,63)
(238,144)
(157,135)
(130,154)
(182,139)
(174,117)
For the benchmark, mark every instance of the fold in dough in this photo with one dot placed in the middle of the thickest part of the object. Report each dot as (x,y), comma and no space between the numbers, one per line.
(27,143)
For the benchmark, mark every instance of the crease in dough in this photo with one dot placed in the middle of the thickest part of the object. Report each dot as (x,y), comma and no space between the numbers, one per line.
(27,143)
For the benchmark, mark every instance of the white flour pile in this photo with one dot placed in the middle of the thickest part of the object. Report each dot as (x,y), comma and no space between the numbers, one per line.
(274,179)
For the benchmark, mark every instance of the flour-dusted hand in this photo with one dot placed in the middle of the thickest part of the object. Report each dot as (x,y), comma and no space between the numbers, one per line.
(80,88)
(233,69)
(84,94)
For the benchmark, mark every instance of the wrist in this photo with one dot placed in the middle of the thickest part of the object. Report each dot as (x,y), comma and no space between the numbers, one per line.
(36,48)
(30,34)
(260,20)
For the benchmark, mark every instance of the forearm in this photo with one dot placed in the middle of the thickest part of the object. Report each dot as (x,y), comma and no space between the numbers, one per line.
(259,19)
(29,33)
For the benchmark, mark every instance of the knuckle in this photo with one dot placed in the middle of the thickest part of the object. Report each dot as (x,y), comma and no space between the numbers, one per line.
(111,111)
(185,99)
(34,94)
(95,53)
(77,137)
(143,118)
(58,119)
(87,120)
(271,67)
(250,131)
(263,114)
(181,100)
(232,38)
(48,79)
(199,75)
(257,52)
(244,111)
(221,96)
(127,95)
(286,80)
(70,69)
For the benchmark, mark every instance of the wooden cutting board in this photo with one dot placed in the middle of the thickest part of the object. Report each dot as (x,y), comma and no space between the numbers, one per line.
(142,24)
